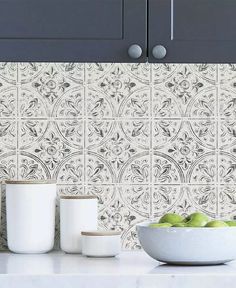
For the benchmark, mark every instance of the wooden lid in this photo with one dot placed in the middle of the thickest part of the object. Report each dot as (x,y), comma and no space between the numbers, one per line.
(30,182)
(82,197)
(100,233)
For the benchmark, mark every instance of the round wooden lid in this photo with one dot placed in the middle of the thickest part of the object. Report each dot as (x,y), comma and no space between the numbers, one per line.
(82,197)
(30,182)
(100,233)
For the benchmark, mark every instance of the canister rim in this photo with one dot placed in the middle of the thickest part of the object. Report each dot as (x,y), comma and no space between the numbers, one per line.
(100,233)
(81,197)
(30,182)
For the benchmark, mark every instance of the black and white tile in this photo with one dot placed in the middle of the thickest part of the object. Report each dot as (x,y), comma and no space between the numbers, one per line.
(146,139)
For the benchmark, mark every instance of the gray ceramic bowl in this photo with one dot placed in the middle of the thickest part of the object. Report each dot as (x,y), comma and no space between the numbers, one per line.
(188,246)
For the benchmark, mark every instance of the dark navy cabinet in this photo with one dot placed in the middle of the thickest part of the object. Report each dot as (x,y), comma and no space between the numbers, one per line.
(159,31)
(73,30)
(181,31)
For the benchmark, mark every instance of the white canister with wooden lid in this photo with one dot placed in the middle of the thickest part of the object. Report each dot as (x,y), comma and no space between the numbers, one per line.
(30,207)
(101,243)
(77,213)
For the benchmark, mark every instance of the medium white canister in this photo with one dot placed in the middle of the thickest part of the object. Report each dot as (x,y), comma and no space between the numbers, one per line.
(77,213)
(30,207)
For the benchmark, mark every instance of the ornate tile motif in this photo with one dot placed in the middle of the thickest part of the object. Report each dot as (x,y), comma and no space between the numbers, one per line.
(184,199)
(31,167)
(161,72)
(137,105)
(136,170)
(51,148)
(227,104)
(145,139)
(73,71)
(164,131)
(8,72)
(70,104)
(8,102)
(141,71)
(105,194)
(184,85)
(227,168)
(95,71)
(71,170)
(165,198)
(3,233)
(227,201)
(166,170)
(8,166)
(227,75)
(98,105)
(206,71)
(8,135)
(118,216)
(137,197)
(118,85)
(165,104)
(98,170)
(31,105)
(27,72)
(227,133)
(197,198)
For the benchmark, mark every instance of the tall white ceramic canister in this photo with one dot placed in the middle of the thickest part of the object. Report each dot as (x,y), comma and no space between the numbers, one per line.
(30,207)
(77,213)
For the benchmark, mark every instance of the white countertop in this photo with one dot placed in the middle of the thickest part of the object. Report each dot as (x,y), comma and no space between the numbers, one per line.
(129,270)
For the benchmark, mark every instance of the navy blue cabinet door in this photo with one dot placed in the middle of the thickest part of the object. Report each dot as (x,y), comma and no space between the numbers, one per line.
(191,31)
(73,30)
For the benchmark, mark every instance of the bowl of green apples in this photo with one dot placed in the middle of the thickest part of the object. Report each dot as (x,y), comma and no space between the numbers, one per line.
(191,240)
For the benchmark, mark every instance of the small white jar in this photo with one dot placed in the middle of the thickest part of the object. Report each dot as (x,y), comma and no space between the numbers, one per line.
(30,207)
(77,213)
(101,243)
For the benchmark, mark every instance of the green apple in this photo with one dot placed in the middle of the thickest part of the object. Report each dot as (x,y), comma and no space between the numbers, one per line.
(230,223)
(216,224)
(182,224)
(196,219)
(159,225)
(171,218)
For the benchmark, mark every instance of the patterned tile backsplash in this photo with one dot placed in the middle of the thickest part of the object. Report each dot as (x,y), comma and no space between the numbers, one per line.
(146,139)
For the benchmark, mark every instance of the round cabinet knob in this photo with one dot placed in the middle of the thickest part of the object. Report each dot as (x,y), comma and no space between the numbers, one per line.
(159,52)
(135,51)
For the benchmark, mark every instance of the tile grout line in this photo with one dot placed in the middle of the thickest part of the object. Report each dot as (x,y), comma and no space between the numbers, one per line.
(145,184)
(85,123)
(151,190)
(17,120)
(114,119)
(217,184)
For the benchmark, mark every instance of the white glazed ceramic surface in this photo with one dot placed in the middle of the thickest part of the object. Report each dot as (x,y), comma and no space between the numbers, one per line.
(76,215)
(188,246)
(101,246)
(30,217)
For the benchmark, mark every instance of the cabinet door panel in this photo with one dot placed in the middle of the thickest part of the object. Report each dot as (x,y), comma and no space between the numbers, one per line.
(203,20)
(193,30)
(61,19)
(72,30)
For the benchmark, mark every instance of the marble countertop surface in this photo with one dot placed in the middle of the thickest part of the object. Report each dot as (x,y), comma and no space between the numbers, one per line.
(129,270)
